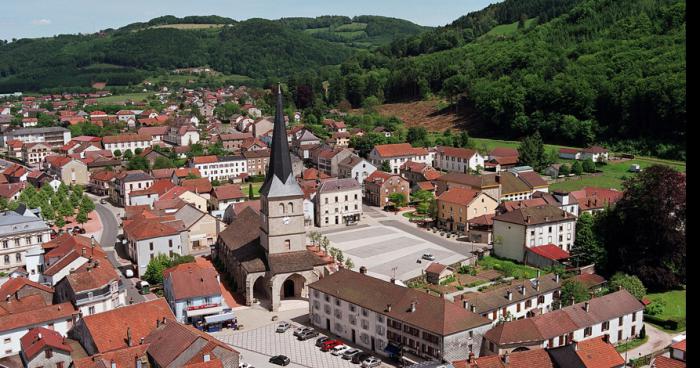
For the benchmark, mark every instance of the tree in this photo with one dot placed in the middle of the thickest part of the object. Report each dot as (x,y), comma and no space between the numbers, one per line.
(398,199)
(588,166)
(86,205)
(645,232)
(629,283)
(531,152)
(463,140)
(325,243)
(423,199)
(66,208)
(60,222)
(138,151)
(81,218)
(564,170)
(572,288)
(48,212)
(117,153)
(386,167)
(138,163)
(339,256)
(155,268)
(251,194)
(576,168)
(587,248)
(128,154)
(416,135)
(349,264)
(163,163)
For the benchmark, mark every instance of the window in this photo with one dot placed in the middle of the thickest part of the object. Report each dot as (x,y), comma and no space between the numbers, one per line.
(29,240)
(170,243)
(606,325)
(619,321)
(528,303)
(634,317)
(18,257)
(7,340)
(337,302)
(550,229)
(365,313)
(619,335)
(4,243)
(634,331)
(326,297)
(588,331)
(517,307)
(150,246)
(540,299)
(91,311)
(7,259)
(16,242)
(352,307)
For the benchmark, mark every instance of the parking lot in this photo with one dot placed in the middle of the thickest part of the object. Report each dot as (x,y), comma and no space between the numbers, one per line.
(259,344)
(387,251)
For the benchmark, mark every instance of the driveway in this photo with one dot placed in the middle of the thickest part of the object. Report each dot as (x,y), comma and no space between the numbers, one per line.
(658,340)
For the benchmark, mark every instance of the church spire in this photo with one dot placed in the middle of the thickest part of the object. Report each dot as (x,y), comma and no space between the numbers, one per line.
(280,164)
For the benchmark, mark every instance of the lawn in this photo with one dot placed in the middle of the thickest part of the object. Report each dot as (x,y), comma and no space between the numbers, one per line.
(256,189)
(413,215)
(509,268)
(673,304)
(138,96)
(506,29)
(629,345)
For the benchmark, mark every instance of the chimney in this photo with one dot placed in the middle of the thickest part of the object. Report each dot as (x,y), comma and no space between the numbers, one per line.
(471,357)
(112,364)
(38,336)
(142,340)
(537,285)
(388,307)
(546,219)
(465,304)
(207,357)
(556,278)
(606,338)
(586,306)
(413,306)
(393,280)
(473,308)
(527,219)
(82,252)
(573,300)
(509,295)
(505,358)
(128,336)
(522,289)
(363,270)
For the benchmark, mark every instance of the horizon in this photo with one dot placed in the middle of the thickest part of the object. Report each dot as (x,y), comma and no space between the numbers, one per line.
(37,19)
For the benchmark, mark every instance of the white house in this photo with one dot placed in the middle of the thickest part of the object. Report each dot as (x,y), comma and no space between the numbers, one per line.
(125,142)
(397,154)
(357,168)
(457,159)
(220,168)
(193,292)
(146,238)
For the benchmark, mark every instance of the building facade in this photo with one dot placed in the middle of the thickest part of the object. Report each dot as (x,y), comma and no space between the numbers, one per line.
(338,201)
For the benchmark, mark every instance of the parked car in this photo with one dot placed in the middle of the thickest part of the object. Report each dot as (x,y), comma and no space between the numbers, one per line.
(429,257)
(299,330)
(245,365)
(280,360)
(371,362)
(330,344)
(321,340)
(143,286)
(129,273)
(339,350)
(307,335)
(283,326)
(349,353)
(103,200)
(360,357)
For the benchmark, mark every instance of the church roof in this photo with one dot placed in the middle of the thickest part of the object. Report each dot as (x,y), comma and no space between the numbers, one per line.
(279,181)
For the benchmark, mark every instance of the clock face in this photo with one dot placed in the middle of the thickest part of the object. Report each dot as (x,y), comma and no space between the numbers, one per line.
(285,220)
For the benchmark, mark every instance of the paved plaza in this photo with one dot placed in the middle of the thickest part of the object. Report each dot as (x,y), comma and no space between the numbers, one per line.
(389,251)
(259,344)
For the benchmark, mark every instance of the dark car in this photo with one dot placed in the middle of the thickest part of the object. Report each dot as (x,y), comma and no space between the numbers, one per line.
(360,357)
(279,360)
(321,340)
(307,335)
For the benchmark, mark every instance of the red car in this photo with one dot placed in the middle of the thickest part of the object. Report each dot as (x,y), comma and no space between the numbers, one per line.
(330,344)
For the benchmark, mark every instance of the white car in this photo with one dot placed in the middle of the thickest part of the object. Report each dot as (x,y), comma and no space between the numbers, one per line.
(429,257)
(283,326)
(129,273)
(245,365)
(371,362)
(299,330)
(339,350)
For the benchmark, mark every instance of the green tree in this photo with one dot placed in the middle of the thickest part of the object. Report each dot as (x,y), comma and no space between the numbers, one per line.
(564,170)
(386,167)
(128,154)
(138,163)
(588,166)
(155,268)
(587,248)
(117,153)
(251,194)
(86,205)
(572,288)
(138,151)
(398,199)
(48,212)
(81,218)
(630,283)
(163,163)
(423,198)
(60,222)
(463,140)
(531,152)
(576,168)
(349,264)
(339,256)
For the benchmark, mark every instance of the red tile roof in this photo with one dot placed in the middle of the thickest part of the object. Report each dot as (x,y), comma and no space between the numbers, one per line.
(201,185)
(464,153)
(678,346)
(38,314)
(550,251)
(141,229)
(109,329)
(503,152)
(17,283)
(435,267)
(189,280)
(399,149)
(34,342)
(205,159)
(230,191)
(596,353)
(594,198)
(595,149)
(666,362)
(569,150)
(462,196)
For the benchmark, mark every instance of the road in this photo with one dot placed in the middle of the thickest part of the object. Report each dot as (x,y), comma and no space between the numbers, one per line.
(110,231)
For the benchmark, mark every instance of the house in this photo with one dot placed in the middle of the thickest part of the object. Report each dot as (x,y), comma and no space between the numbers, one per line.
(437,272)
(64,254)
(570,153)
(202,229)
(151,194)
(304,143)
(100,182)
(193,292)
(68,170)
(14,148)
(187,194)
(121,328)
(380,185)
(127,181)
(94,286)
(500,152)
(232,141)
(456,159)
(222,196)
(34,153)
(489,184)
(43,347)
(397,154)
(328,159)
(125,142)
(595,153)
(221,168)
(481,229)
(148,237)
(416,172)
(617,315)
(355,167)
(182,135)
(520,299)
(338,201)
(261,126)
(19,235)
(385,318)
(676,358)
(11,191)
(257,162)
(457,206)
(593,199)
(386,132)
(530,233)
(563,200)
(157,133)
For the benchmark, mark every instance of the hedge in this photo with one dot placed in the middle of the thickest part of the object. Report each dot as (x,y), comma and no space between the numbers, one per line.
(669,324)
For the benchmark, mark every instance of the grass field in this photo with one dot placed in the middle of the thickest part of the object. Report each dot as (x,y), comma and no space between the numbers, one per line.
(348,32)
(674,303)
(183,78)
(509,268)
(138,96)
(256,189)
(506,29)
(189,26)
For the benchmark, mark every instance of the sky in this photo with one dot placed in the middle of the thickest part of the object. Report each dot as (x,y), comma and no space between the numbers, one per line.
(41,18)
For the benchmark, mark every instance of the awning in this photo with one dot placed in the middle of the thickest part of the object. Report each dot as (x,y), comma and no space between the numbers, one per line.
(219,317)
(392,349)
(204,311)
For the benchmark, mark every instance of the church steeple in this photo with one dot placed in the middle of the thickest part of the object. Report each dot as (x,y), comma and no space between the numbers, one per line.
(280,179)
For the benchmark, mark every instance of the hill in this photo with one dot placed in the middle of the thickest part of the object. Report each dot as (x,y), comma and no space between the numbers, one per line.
(255,48)
(604,71)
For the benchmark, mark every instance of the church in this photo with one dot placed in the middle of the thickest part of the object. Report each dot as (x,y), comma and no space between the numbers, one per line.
(265,253)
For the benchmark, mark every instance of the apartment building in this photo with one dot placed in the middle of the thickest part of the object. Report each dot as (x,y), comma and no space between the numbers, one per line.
(338,201)
(257,161)
(397,154)
(355,167)
(459,205)
(222,168)
(384,318)
(456,159)
(34,153)
(54,137)
(19,234)
(126,182)
(380,185)
(125,142)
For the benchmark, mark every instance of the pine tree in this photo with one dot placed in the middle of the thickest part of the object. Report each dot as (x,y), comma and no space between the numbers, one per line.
(531,152)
